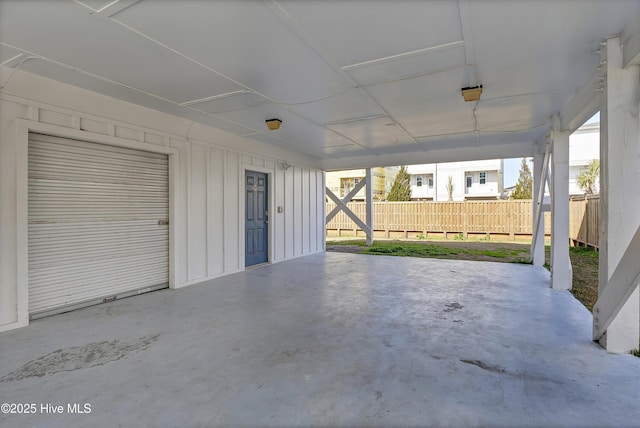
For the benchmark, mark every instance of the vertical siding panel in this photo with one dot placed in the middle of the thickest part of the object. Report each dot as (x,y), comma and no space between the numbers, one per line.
(231,203)
(270,164)
(215,212)
(11,252)
(187,155)
(322,214)
(297,211)
(180,237)
(305,212)
(289,212)
(280,224)
(198,213)
(313,212)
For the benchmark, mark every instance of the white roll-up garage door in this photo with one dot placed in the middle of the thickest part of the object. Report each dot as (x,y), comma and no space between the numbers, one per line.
(98,223)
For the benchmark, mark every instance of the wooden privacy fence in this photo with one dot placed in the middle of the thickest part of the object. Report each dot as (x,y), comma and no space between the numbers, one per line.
(584,214)
(511,218)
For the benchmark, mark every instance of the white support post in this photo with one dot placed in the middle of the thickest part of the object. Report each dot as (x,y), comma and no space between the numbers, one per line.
(561,273)
(540,166)
(369,206)
(619,203)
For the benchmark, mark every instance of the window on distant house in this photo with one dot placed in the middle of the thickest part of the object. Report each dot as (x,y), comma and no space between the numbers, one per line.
(356,180)
(430,182)
(483,178)
(419,181)
(346,184)
(469,180)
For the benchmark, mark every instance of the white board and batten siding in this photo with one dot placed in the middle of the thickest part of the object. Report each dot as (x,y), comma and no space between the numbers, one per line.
(98,223)
(204,185)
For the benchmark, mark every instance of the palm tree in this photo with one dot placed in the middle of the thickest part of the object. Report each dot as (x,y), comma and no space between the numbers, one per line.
(450,187)
(588,179)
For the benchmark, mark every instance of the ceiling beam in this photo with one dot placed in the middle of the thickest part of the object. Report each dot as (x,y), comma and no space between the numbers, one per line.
(457,154)
(583,104)
(109,9)
(404,55)
(117,6)
(467,36)
(630,39)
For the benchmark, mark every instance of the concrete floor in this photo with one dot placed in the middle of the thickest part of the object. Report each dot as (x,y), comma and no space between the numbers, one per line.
(331,340)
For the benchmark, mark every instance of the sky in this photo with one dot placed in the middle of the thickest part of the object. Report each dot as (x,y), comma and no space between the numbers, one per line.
(511,171)
(512,166)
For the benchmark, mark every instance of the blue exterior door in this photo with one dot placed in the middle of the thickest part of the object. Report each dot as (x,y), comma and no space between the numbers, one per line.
(256,220)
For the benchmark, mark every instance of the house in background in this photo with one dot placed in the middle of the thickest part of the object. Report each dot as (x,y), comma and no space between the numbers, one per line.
(506,193)
(584,146)
(342,182)
(474,180)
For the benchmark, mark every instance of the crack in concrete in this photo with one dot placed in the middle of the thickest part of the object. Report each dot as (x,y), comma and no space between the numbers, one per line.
(517,375)
(484,366)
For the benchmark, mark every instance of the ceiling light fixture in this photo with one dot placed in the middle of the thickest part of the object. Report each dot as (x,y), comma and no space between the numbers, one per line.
(471,93)
(273,124)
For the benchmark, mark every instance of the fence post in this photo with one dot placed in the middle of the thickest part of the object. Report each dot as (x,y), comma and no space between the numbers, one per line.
(357,212)
(586,221)
(512,231)
(386,219)
(405,216)
(423,219)
(465,220)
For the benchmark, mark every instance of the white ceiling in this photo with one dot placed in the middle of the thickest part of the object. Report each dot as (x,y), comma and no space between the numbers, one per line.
(355,83)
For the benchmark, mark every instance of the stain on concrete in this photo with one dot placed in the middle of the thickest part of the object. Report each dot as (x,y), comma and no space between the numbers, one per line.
(378,395)
(453,307)
(485,366)
(535,378)
(79,357)
(516,375)
(283,357)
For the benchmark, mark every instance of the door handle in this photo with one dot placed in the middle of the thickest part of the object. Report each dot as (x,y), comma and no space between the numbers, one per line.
(266,217)
(163,222)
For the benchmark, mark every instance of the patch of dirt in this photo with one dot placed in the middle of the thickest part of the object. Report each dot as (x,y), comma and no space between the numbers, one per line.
(353,249)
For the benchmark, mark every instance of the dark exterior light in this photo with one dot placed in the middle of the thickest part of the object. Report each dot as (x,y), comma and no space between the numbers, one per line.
(273,124)
(471,93)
